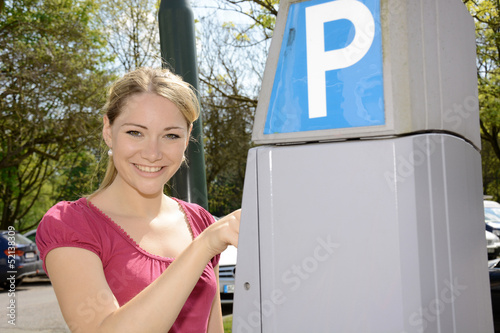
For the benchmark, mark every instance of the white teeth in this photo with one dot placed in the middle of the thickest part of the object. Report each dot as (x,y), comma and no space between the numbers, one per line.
(148,169)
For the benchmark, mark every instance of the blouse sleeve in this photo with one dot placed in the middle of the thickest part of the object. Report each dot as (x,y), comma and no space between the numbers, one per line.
(65,225)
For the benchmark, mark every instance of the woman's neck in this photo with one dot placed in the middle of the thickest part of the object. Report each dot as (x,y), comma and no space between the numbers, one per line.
(126,201)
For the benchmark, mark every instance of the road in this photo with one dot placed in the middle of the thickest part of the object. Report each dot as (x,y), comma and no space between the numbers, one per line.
(36,309)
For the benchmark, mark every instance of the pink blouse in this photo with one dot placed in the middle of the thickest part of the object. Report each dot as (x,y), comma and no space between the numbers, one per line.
(127,267)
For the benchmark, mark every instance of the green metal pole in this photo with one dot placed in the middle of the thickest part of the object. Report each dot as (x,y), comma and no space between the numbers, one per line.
(178,50)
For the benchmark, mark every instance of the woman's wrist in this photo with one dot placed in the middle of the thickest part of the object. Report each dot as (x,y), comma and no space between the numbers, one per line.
(202,245)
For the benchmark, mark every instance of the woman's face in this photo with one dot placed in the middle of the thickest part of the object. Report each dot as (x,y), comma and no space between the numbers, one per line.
(148,139)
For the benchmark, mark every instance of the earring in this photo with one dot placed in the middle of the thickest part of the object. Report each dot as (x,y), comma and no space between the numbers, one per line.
(110,152)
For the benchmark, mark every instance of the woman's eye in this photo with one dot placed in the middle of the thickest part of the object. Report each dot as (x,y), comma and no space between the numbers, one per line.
(172,136)
(134,133)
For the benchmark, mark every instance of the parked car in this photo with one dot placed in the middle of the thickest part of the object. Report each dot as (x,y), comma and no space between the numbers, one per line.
(227,271)
(493,245)
(32,236)
(19,258)
(492,216)
(494,272)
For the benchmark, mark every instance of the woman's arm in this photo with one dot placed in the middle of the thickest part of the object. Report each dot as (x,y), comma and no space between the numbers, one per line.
(88,305)
(215,324)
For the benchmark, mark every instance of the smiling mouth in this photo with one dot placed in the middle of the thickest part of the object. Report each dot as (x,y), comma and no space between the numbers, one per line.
(148,169)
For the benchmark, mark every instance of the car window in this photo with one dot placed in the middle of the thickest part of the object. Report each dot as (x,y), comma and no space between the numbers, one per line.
(19,239)
(492,214)
(494,264)
(32,237)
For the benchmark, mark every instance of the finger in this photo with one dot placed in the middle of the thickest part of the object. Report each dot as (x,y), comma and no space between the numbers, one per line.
(237,213)
(236,227)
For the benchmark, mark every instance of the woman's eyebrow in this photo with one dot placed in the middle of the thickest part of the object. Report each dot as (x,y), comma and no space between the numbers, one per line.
(137,125)
(145,127)
(173,128)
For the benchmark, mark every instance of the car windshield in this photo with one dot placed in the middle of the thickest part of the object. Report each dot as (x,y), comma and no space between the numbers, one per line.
(492,214)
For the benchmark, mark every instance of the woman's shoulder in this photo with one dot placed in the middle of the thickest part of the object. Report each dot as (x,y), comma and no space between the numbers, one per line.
(68,208)
(196,213)
(69,212)
(192,208)
(75,215)
(69,224)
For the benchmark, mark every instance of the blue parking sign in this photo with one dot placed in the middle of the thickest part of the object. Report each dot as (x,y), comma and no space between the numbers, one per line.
(329,71)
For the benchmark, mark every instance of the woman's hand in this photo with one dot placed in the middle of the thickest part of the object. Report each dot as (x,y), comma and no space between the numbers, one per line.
(222,233)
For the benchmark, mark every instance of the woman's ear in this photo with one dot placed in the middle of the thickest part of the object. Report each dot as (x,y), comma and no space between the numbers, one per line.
(106,131)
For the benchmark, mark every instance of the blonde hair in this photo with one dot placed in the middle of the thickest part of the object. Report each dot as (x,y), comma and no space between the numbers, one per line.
(148,80)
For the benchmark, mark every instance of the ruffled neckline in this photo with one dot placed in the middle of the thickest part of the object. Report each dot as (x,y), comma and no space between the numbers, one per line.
(129,239)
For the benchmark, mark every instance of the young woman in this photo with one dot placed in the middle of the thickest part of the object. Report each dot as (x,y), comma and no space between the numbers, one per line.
(110,256)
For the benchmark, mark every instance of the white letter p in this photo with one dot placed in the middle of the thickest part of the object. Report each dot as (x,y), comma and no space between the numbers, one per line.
(319,61)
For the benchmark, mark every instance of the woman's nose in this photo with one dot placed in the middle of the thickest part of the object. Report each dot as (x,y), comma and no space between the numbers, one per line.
(151,151)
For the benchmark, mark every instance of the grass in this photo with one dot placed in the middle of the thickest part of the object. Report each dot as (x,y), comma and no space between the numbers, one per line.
(228,322)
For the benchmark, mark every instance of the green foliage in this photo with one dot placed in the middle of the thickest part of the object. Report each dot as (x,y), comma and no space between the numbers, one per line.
(227,141)
(487,21)
(260,13)
(491,171)
(228,324)
(78,178)
(52,85)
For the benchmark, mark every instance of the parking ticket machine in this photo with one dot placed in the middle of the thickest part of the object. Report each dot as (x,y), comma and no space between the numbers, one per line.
(362,206)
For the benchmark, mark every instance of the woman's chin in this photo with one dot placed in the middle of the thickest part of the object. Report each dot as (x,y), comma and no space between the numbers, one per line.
(150,193)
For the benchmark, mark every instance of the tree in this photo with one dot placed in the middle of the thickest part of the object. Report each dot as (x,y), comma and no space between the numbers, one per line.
(487,20)
(228,119)
(232,57)
(260,16)
(52,84)
(491,171)
(131,31)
